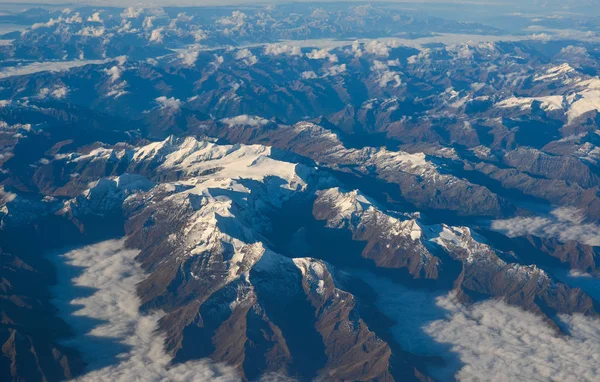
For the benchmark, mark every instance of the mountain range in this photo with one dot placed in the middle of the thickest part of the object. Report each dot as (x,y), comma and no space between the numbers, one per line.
(268,165)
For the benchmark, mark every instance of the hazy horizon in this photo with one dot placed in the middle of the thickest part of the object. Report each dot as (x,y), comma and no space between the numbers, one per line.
(467,10)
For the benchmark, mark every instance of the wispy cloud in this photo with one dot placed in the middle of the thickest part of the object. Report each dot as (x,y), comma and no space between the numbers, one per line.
(50,66)
(96,295)
(245,120)
(563,224)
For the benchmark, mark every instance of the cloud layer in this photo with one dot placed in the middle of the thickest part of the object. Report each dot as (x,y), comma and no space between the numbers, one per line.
(503,343)
(37,67)
(564,224)
(96,295)
(489,341)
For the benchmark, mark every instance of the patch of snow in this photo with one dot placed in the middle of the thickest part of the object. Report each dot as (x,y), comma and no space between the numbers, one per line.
(555,72)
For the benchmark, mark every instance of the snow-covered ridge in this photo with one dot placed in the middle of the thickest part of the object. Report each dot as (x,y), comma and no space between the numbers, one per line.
(204,234)
(345,204)
(571,92)
(203,160)
(460,242)
(549,103)
(210,210)
(314,272)
(555,72)
(106,195)
(353,208)
(381,158)
(401,235)
(229,161)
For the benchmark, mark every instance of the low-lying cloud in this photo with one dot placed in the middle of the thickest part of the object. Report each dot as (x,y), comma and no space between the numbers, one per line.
(245,120)
(499,342)
(49,66)
(96,295)
(246,56)
(282,49)
(322,54)
(168,103)
(488,341)
(564,224)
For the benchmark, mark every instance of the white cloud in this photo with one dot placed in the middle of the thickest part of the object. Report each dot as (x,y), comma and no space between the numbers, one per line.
(148,22)
(118,90)
(74,19)
(22,127)
(564,224)
(199,35)
(422,56)
(280,49)
(335,70)
(124,345)
(131,13)
(322,54)
(377,48)
(60,92)
(499,342)
(91,31)
(157,35)
(48,24)
(356,49)
(388,76)
(245,120)
(237,19)
(182,16)
(114,73)
(165,102)
(126,27)
(57,92)
(95,18)
(246,56)
(385,75)
(121,60)
(6,197)
(309,75)
(219,60)
(189,56)
(540,36)
(378,65)
(488,341)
